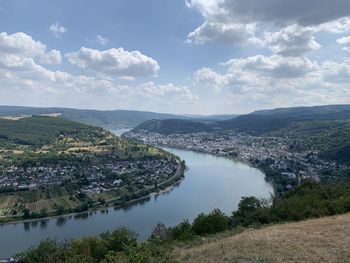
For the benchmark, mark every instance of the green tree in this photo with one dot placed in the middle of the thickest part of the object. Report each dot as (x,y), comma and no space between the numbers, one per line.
(212,223)
(47,251)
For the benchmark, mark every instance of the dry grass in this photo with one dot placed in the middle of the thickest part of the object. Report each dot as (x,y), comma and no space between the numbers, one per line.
(318,240)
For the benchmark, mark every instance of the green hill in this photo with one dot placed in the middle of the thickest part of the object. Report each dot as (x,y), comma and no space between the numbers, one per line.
(261,122)
(112,119)
(38,131)
(325,129)
(256,123)
(173,126)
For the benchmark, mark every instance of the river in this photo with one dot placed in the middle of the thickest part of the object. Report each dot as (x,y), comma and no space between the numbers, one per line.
(210,182)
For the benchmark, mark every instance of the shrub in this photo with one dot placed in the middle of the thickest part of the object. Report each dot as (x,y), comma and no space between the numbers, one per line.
(120,239)
(212,223)
(46,251)
(182,232)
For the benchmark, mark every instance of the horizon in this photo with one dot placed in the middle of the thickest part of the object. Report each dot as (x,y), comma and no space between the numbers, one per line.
(172,113)
(184,57)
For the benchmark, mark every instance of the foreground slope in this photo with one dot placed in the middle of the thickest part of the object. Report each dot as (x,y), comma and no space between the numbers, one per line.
(318,240)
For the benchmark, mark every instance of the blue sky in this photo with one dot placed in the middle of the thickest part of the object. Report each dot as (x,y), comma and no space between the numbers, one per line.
(194,56)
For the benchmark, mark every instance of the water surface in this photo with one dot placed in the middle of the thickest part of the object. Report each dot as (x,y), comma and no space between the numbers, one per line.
(211,182)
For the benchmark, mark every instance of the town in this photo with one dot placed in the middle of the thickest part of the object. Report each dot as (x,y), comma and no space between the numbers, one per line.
(97,175)
(274,155)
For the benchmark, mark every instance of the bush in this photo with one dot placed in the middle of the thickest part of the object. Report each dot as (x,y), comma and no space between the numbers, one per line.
(46,251)
(120,239)
(88,249)
(182,232)
(212,223)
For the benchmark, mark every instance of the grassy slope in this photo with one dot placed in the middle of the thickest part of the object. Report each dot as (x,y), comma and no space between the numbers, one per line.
(318,240)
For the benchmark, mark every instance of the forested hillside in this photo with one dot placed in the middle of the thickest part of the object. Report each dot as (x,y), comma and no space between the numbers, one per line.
(112,119)
(38,131)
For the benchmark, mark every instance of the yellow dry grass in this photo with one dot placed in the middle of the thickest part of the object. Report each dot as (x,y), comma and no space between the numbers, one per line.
(318,240)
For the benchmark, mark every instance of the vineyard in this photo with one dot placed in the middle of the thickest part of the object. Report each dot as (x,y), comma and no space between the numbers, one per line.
(7,205)
(39,200)
(50,204)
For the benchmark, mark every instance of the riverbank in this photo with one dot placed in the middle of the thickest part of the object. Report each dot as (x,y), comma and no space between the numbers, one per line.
(268,177)
(162,187)
(210,182)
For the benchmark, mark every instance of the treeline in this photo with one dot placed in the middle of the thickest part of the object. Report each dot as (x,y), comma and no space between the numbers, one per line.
(309,200)
(117,246)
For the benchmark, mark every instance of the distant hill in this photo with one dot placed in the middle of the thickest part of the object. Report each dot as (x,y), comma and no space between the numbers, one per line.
(260,122)
(256,123)
(215,117)
(38,131)
(323,128)
(172,126)
(113,119)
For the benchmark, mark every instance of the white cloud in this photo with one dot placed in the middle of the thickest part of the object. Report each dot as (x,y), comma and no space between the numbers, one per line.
(220,32)
(306,12)
(345,42)
(274,81)
(294,22)
(250,68)
(273,66)
(114,62)
(53,57)
(57,29)
(24,46)
(292,40)
(338,26)
(333,72)
(211,78)
(102,40)
(24,81)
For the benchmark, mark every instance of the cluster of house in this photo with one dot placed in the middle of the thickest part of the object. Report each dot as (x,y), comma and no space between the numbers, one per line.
(146,172)
(100,174)
(274,151)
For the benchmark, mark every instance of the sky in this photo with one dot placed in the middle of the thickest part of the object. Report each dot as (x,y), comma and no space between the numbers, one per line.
(175,56)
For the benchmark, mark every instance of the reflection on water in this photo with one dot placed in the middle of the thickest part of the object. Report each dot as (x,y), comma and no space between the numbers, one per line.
(26,226)
(60,221)
(34,223)
(81,216)
(43,223)
(210,182)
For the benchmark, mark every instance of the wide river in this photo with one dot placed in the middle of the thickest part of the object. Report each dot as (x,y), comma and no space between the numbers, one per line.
(210,182)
